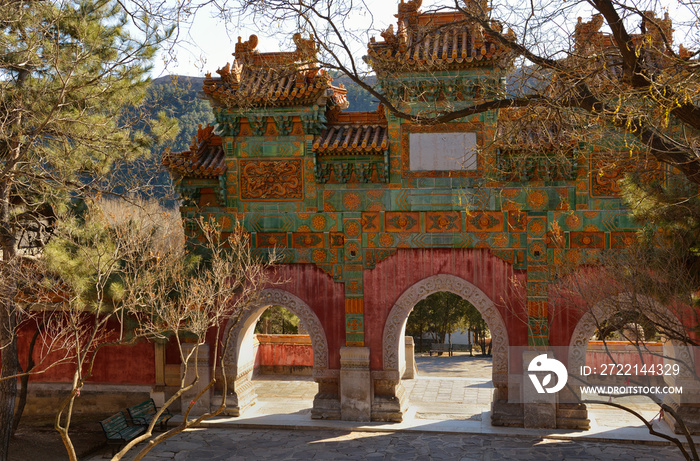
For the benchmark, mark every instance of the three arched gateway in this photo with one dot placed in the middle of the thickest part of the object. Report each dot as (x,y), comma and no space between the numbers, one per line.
(377,203)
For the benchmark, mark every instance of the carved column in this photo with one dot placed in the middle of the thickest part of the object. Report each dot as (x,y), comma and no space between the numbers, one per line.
(327,400)
(410,371)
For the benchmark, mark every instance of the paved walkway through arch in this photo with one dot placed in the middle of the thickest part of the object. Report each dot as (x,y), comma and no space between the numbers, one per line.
(449,420)
(446,388)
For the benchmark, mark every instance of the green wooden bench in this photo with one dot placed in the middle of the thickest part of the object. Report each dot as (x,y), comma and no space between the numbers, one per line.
(462,348)
(118,431)
(144,412)
(440,347)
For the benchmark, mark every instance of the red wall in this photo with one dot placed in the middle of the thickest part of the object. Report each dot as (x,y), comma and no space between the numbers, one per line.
(599,353)
(390,278)
(114,364)
(284,350)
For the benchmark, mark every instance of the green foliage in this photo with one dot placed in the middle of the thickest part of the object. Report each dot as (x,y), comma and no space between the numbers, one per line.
(441,314)
(81,256)
(277,320)
(68,70)
(176,96)
(666,262)
(360,100)
(104,249)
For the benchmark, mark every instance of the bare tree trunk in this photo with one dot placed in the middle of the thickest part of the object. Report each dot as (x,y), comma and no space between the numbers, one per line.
(8,324)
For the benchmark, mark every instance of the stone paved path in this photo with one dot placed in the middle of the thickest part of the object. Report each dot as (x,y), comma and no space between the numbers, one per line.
(277,445)
(448,388)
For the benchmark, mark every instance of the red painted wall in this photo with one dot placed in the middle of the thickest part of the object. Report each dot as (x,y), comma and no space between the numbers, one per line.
(390,278)
(599,353)
(133,364)
(284,350)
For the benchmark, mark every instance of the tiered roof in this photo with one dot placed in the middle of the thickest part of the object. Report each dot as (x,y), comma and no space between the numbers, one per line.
(435,41)
(205,159)
(658,33)
(272,79)
(354,133)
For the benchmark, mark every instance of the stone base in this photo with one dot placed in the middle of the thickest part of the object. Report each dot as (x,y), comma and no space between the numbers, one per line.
(539,416)
(355,385)
(327,400)
(389,409)
(572,416)
(689,414)
(539,409)
(390,399)
(326,407)
(44,398)
(506,414)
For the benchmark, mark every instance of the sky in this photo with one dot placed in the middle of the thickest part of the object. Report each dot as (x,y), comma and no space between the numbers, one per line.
(208,43)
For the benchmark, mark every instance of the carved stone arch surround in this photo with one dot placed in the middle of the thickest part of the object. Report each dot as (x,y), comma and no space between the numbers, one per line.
(276,297)
(589,322)
(398,315)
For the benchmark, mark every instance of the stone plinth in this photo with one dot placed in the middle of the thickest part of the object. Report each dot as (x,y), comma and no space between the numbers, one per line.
(410,371)
(539,410)
(355,385)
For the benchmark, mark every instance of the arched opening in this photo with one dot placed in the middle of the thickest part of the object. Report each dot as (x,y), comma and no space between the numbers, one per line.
(453,362)
(390,399)
(282,373)
(243,347)
(616,343)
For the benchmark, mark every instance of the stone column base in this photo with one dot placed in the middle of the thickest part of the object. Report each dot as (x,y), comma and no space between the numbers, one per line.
(327,400)
(355,386)
(688,413)
(241,395)
(539,409)
(573,416)
(390,399)
(506,414)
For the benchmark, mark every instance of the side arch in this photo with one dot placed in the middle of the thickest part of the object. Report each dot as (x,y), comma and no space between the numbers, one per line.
(591,320)
(239,359)
(396,322)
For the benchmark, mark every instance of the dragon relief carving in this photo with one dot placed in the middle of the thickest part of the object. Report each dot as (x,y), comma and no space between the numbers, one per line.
(271,179)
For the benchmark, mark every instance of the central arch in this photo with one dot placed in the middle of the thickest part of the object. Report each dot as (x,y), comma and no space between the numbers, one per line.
(395,325)
(389,403)
(240,361)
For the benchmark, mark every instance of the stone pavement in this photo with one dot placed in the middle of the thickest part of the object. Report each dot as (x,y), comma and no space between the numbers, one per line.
(277,445)
(448,419)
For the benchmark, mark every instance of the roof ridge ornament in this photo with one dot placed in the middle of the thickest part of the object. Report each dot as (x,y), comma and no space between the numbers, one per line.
(247,47)
(306,48)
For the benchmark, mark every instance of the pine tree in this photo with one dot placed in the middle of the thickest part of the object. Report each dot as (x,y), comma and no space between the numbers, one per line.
(67,70)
